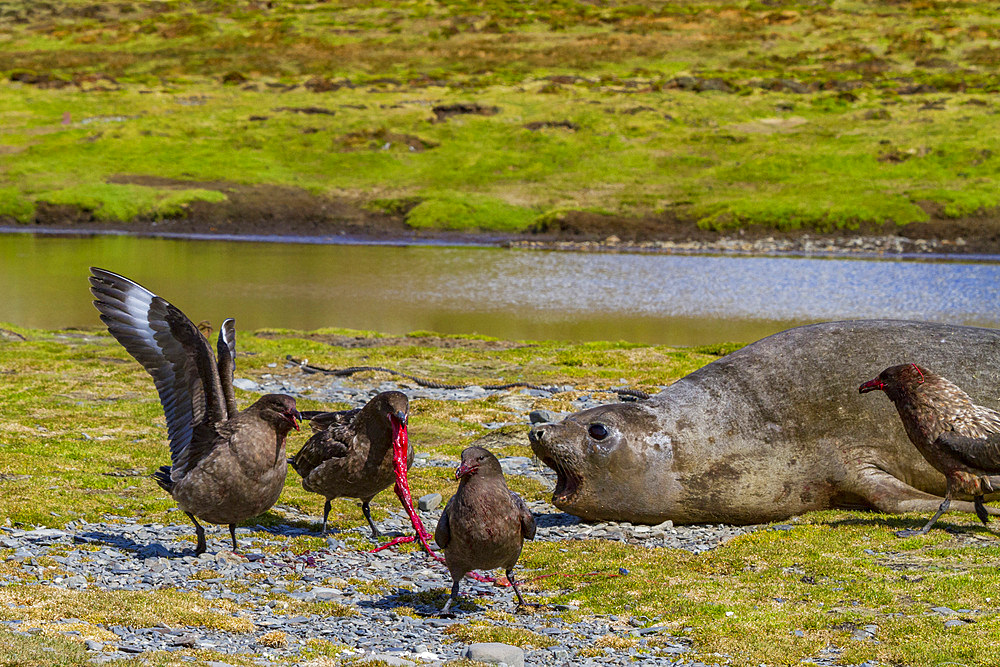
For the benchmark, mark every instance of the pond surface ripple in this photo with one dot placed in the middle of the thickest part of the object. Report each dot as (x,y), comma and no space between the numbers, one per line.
(673,299)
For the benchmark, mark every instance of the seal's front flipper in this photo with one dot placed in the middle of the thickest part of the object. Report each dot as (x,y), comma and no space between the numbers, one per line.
(892,495)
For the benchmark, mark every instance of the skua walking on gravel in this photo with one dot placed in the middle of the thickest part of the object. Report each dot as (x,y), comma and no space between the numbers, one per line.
(484,524)
(226,465)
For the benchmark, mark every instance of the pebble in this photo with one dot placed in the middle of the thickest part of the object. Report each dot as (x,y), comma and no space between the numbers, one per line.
(541,417)
(429,502)
(342,389)
(944,611)
(245,384)
(497,653)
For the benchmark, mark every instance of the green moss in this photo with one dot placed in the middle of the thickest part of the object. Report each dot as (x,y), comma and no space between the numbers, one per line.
(781,596)
(394,206)
(456,211)
(717,350)
(974,199)
(125,202)
(14,204)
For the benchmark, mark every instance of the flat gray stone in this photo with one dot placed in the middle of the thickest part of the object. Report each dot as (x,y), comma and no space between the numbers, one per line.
(540,417)
(495,653)
(187,640)
(44,534)
(429,502)
(327,593)
(245,384)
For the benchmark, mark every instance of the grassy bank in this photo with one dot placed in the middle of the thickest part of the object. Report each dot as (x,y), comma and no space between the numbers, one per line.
(81,429)
(506,116)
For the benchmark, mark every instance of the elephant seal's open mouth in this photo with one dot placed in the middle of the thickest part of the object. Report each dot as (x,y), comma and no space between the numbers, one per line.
(548,450)
(567,481)
(596,470)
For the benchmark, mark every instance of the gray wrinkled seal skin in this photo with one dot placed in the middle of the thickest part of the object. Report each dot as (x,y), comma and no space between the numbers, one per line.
(770,431)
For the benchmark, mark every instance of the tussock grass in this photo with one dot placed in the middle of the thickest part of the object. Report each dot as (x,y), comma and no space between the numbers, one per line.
(325,609)
(321,648)
(484,632)
(56,628)
(43,651)
(273,639)
(134,609)
(615,642)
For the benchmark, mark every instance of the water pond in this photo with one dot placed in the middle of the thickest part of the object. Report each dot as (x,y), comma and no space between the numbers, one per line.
(672,299)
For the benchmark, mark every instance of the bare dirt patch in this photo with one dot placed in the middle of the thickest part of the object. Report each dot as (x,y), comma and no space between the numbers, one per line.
(307,110)
(382,139)
(443,112)
(556,124)
(249,210)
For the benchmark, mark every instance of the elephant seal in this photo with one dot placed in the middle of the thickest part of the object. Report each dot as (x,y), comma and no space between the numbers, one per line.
(770,431)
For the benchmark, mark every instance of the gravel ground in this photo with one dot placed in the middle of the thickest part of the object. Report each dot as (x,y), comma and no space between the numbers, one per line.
(137,556)
(121,554)
(334,389)
(872,246)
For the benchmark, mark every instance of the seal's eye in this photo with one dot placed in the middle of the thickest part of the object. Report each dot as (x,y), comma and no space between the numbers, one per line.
(597,431)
